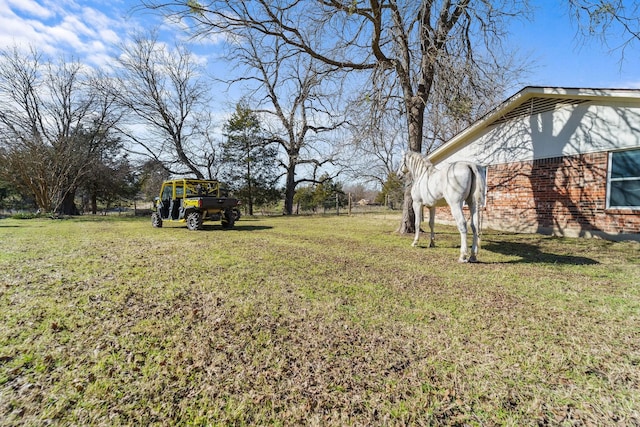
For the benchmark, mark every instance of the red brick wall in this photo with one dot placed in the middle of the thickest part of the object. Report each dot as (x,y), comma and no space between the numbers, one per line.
(563,195)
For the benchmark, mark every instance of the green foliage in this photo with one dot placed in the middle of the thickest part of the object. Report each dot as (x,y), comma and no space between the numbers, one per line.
(328,193)
(250,164)
(304,198)
(325,194)
(392,192)
(112,177)
(12,198)
(195,7)
(25,216)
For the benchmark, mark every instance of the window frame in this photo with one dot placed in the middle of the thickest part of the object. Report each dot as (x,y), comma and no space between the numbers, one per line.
(619,179)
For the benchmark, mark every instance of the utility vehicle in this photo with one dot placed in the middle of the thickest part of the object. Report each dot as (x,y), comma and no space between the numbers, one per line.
(193,201)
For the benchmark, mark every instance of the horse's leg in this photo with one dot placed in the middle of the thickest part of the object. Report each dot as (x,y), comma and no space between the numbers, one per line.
(417,210)
(456,211)
(475,227)
(432,219)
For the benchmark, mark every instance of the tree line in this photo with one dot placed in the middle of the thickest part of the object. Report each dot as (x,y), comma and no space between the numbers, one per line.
(72,137)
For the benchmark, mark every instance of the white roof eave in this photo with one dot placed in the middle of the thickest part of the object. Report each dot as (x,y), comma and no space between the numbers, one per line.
(467,135)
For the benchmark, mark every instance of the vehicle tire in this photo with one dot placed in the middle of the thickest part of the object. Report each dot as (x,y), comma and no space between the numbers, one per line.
(156,220)
(194,221)
(228,219)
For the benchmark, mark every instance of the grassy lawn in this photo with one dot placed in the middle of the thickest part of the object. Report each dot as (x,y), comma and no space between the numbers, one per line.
(314,321)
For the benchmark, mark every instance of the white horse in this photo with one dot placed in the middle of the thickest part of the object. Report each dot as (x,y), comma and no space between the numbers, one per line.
(457,183)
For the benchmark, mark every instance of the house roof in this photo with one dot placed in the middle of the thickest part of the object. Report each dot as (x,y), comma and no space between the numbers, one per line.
(528,101)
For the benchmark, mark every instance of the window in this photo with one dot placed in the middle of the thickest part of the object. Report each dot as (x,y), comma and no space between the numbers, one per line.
(624,179)
(167,192)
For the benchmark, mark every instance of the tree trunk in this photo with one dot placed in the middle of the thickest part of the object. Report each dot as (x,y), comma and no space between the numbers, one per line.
(290,190)
(407,226)
(415,121)
(94,203)
(68,205)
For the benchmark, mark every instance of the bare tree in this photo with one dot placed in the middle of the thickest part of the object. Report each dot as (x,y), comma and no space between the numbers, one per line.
(408,42)
(616,23)
(376,135)
(163,89)
(293,94)
(54,126)
(456,101)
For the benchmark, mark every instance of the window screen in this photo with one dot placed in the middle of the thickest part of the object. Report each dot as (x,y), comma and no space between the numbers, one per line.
(624,179)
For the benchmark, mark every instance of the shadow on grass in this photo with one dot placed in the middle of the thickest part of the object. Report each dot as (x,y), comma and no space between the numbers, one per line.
(236,227)
(529,253)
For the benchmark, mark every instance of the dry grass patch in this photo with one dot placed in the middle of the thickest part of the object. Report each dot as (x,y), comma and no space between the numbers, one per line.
(312,320)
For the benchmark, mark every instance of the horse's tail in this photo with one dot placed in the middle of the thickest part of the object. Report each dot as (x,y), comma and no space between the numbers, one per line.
(478,186)
(478,190)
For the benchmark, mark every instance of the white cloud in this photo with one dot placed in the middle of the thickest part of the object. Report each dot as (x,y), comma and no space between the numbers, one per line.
(62,27)
(75,24)
(89,30)
(14,29)
(30,7)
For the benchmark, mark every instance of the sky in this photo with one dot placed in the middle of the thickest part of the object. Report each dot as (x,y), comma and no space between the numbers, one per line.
(566,60)
(91,29)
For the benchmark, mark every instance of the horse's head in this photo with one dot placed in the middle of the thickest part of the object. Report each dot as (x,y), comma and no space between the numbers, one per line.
(403,169)
(414,163)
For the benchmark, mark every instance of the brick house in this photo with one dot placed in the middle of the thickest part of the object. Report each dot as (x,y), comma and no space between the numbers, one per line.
(563,161)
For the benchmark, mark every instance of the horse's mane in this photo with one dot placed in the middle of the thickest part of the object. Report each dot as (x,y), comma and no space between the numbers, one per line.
(420,157)
(420,162)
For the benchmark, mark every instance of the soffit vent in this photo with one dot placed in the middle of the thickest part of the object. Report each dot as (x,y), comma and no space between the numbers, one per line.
(536,106)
